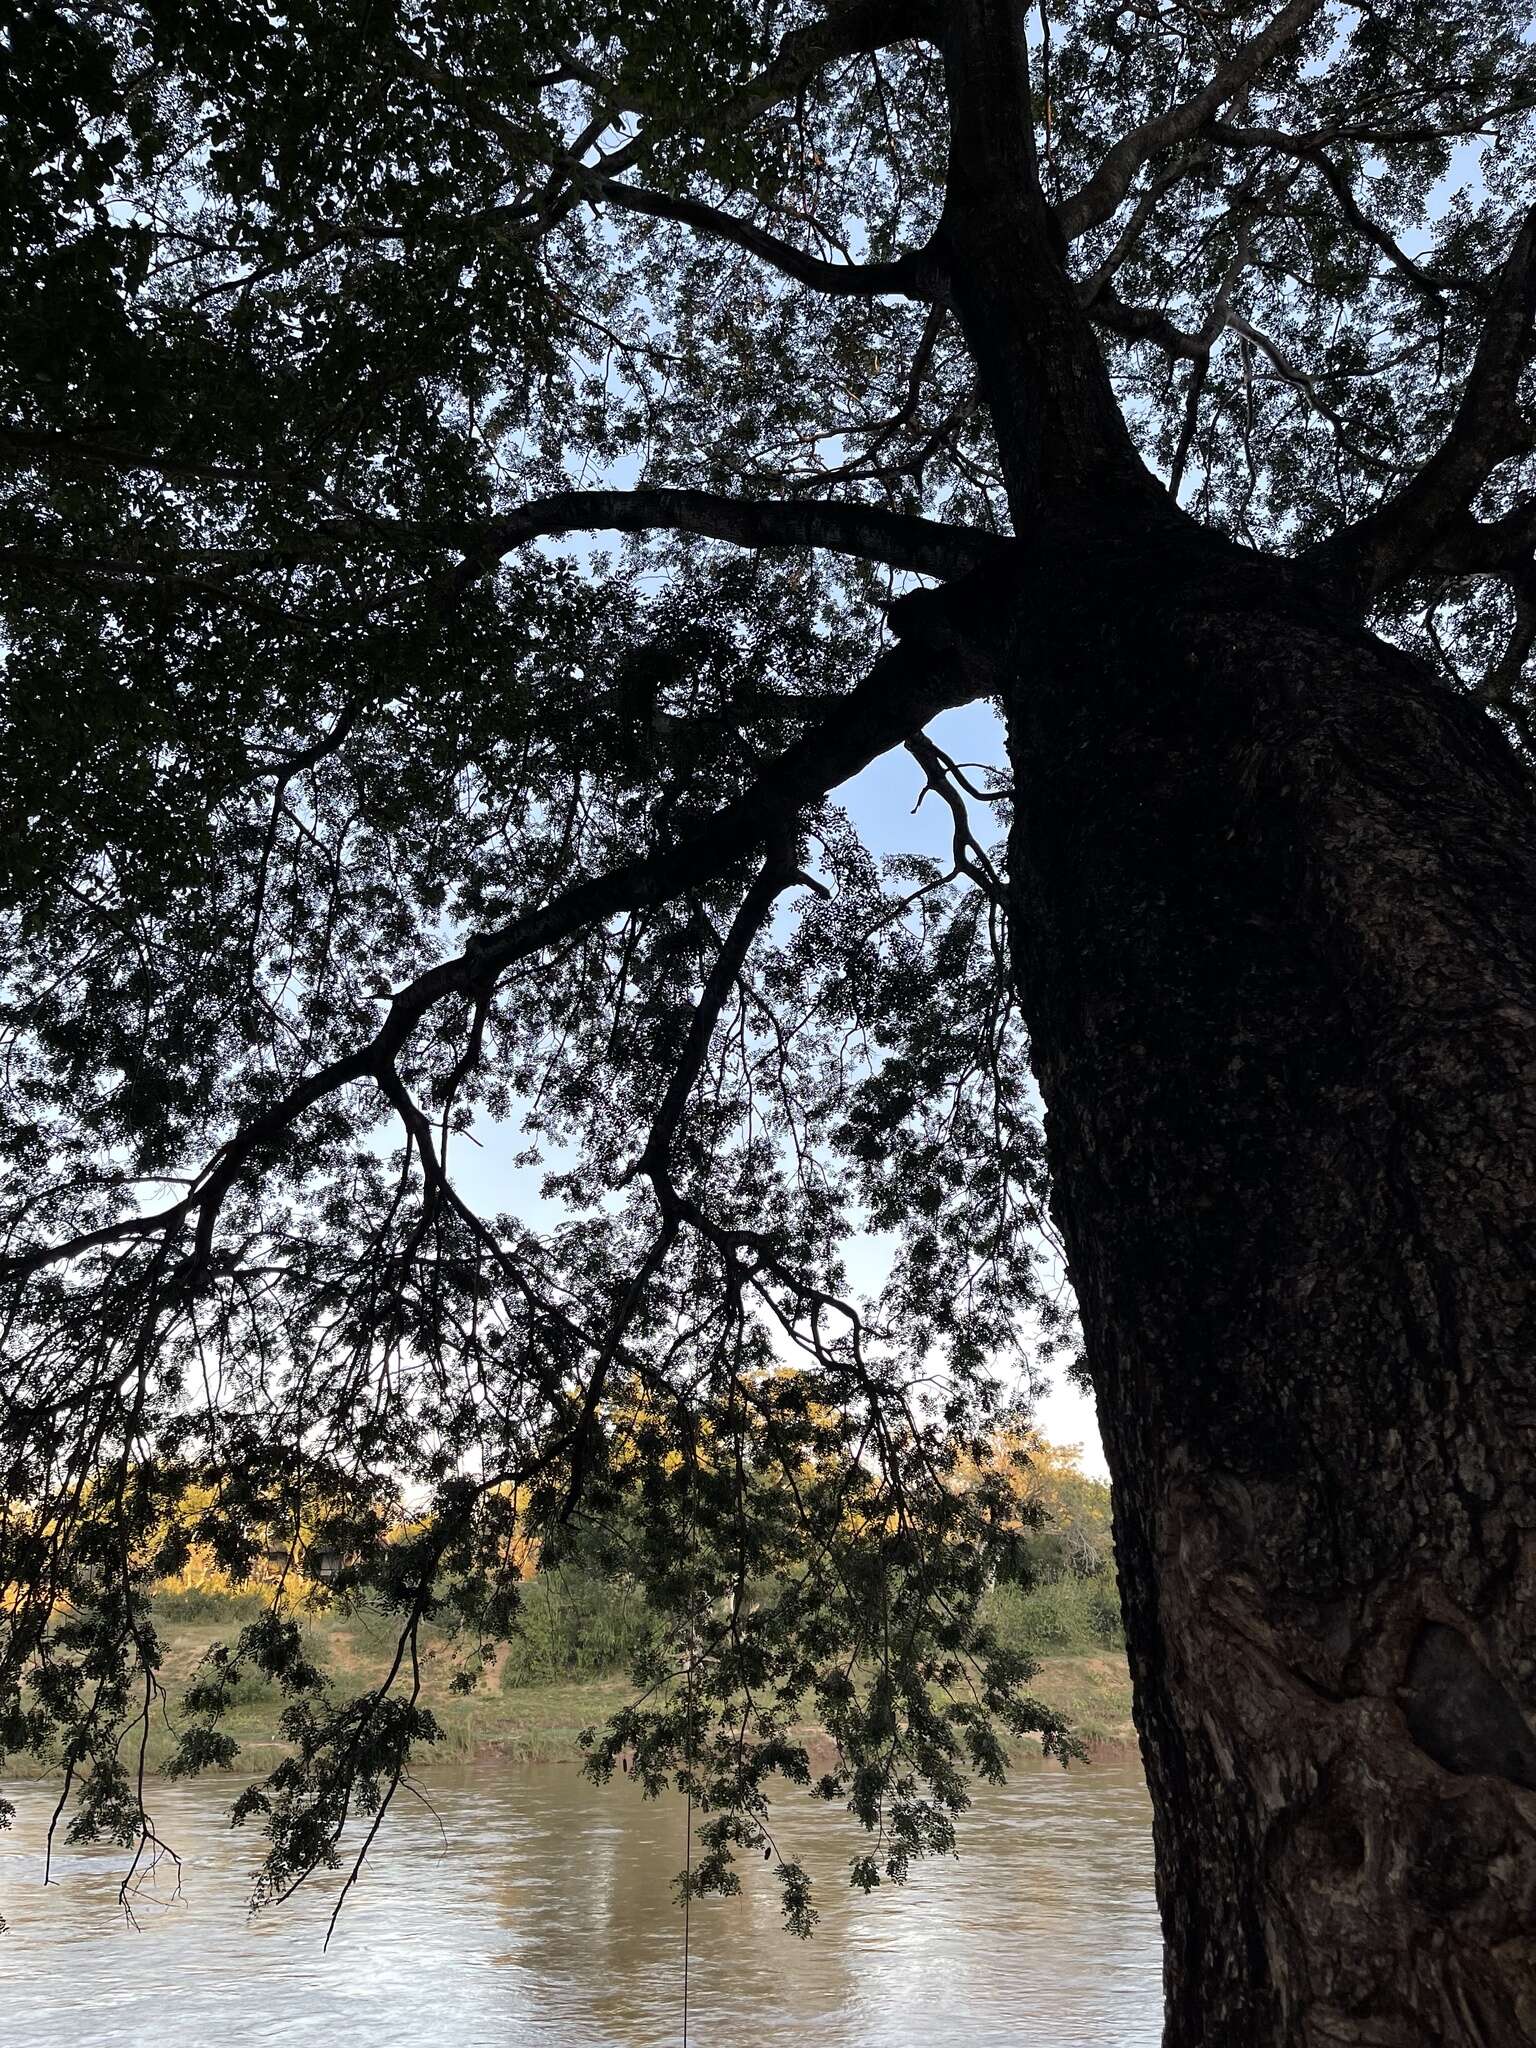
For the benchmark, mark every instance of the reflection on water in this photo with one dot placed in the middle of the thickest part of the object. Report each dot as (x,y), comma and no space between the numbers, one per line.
(540,1913)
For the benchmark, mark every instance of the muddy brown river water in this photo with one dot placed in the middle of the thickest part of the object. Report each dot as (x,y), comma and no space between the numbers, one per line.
(538,1914)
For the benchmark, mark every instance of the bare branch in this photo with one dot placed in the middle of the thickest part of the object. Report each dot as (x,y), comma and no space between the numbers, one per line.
(1502,682)
(1098,199)
(970,856)
(1409,533)
(1090,287)
(1143,323)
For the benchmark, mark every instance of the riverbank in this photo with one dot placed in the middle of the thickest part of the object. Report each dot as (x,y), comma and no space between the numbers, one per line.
(528,1723)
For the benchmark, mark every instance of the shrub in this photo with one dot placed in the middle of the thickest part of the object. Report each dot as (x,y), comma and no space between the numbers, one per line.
(1061,1615)
(1104,1610)
(253,1689)
(575,1624)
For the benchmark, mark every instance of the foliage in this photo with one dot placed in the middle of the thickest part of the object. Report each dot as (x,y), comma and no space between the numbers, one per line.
(354,820)
(1058,1616)
(576,1624)
(1055,1516)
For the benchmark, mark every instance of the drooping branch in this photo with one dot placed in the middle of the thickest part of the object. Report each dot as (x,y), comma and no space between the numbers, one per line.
(775,875)
(946,657)
(773,878)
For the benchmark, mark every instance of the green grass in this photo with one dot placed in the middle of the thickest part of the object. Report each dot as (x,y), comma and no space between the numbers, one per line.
(1094,1693)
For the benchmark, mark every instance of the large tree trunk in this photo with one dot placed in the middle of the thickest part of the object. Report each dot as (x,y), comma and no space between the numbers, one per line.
(1276,941)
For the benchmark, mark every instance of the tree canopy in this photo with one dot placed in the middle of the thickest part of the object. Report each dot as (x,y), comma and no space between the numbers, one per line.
(476,481)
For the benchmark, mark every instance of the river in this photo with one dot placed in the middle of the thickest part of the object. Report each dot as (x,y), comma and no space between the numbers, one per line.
(532,1910)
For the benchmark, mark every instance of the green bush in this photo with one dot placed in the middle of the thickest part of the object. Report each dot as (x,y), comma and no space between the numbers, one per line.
(1104,1610)
(575,1624)
(254,1689)
(1061,1616)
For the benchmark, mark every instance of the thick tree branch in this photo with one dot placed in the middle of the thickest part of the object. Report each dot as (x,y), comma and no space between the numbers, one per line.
(897,540)
(947,655)
(1094,202)
(1142,323)
(913,276)
(1401,537)
(1061,434)
(902,540)
(1501,547)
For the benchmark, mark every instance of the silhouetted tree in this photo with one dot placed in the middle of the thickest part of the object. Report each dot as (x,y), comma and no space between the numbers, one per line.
(1160,373)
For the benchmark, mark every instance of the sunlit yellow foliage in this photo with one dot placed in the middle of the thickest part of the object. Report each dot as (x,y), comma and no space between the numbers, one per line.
(1045,1483)
(282,1557)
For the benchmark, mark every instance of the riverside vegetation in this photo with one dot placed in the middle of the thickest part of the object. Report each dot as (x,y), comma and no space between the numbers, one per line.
(581,1627)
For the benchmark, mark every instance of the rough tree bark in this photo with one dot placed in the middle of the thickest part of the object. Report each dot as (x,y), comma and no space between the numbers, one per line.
(1275,937)
(1275,931)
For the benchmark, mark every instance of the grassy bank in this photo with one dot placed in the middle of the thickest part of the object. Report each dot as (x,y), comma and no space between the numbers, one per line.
(536,1702)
